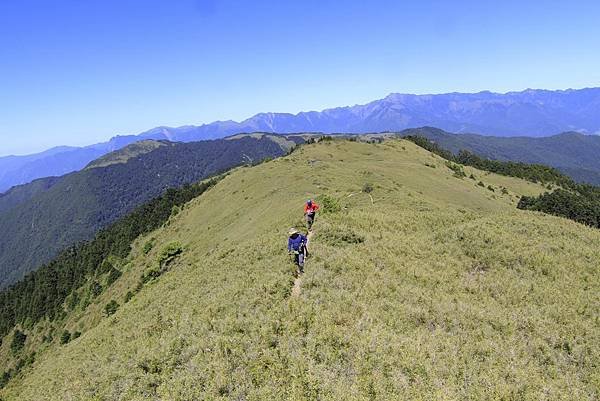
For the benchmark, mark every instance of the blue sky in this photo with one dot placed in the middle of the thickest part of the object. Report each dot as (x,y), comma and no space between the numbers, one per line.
(80,71)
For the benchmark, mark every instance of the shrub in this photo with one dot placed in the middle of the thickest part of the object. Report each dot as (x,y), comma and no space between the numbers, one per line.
(113,276)
(328,204)
(18,341)
(491,188)
(65,337)
(128,296)
(341,237)
(111,307)
(481,184)
(169,253)
(148,246)
(5,378)
(458,169)
(96,289)
(582,208)
(367,188)
(105,267)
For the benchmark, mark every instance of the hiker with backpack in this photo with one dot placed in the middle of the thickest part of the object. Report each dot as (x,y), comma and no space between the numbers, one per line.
(310,209)
(297,245)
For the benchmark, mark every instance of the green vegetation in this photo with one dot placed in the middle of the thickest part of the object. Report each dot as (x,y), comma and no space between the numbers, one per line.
(41,294)
(136,149)
(583,207)
(111,307)
(437,290)
(18,341)
(578,202)
(169,253)
(148,246)
(78,205)
(459,172)
(328,204)
(65,337)
(537,173)
(574,154)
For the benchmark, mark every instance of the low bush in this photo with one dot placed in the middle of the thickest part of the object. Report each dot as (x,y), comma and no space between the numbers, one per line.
(148,246)
(113,276)
(328,204)
(18,341)
(458,170)
(337,237)
(65,337)
(169,253)
(111,308)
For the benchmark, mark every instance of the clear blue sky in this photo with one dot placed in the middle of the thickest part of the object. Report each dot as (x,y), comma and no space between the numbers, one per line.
(80,71)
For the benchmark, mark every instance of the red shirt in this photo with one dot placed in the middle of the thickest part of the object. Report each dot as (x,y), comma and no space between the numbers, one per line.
(311,209)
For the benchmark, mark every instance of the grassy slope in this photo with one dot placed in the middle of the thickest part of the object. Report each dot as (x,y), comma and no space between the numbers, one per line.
(453,294)
(123,155)
(574,154)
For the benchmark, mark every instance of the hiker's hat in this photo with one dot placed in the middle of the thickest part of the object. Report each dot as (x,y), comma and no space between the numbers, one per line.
(293,231)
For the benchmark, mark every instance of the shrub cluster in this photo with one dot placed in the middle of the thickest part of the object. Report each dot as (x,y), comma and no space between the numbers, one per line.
(537,173)
(328,204)
(582,206)
(578,202)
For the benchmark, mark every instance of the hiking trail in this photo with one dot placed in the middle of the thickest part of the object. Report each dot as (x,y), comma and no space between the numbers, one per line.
(298,280)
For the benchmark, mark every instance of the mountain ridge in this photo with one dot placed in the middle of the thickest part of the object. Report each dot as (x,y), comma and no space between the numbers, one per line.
(429,286)
(531,112)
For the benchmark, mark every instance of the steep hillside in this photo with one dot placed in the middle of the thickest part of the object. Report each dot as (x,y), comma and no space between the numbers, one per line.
(22,193)
(79,204)
(573,153)
(421,285)
(123,155)
(19,170)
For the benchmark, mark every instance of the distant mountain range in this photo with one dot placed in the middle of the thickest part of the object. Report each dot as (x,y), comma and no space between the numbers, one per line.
(528,113)
(40,219)
(17,170)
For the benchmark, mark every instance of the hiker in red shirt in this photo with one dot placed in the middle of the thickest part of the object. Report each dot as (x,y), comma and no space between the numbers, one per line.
(310,209)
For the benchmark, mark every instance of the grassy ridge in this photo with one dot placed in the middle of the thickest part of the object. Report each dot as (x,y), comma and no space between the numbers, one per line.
(451,293)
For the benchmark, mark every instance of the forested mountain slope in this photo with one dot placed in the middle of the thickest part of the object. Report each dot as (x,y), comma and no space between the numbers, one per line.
(35,226)
(573,153)
(422,284)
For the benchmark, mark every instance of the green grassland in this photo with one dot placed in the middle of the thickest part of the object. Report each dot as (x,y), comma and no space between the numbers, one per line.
(426,286)
(123,155)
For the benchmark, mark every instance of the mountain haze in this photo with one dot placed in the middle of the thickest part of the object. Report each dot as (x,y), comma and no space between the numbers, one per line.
(18,170)
(527,113)
(530,112)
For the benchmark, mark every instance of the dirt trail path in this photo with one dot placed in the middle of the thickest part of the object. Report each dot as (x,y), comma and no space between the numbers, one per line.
(298,281)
